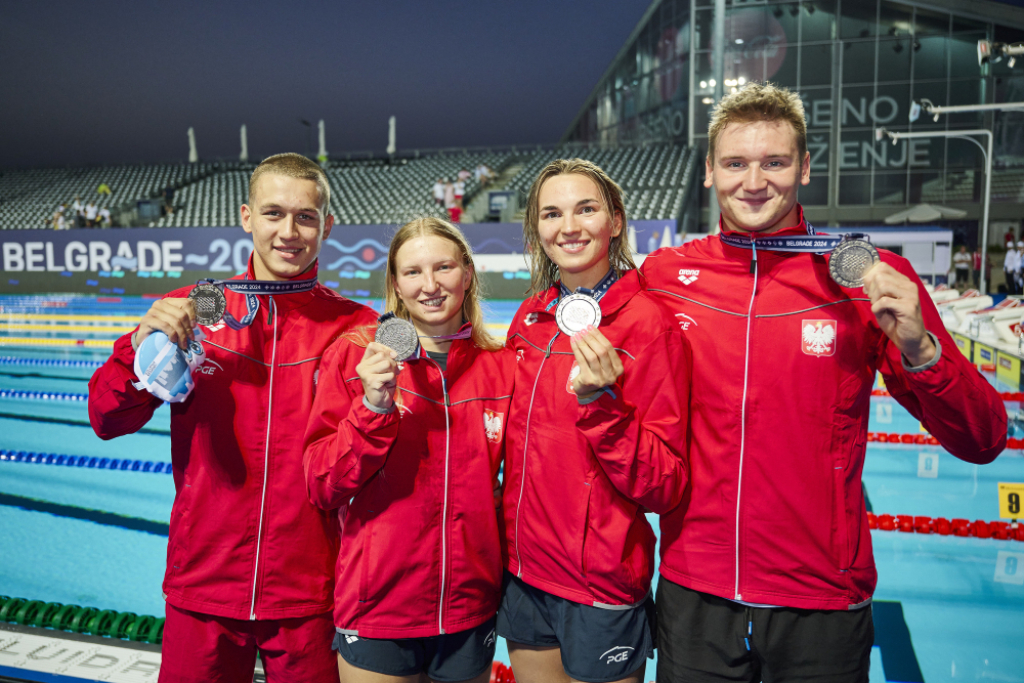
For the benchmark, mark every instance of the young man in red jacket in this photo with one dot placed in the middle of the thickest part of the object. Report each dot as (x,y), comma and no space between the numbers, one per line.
(767,571)
(250,562)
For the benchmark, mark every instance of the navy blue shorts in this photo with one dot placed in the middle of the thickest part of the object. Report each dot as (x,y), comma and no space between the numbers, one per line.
(449,657)
(597,644)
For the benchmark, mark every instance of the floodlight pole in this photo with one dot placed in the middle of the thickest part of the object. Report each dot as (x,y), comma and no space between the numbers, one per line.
(963,134)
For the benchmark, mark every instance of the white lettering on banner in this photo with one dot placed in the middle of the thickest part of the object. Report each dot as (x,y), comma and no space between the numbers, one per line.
(858,114)
(99,256)
(919,153)
(14,257)
(145,248)
(32,257)
(124,250)
(75,257)
(894,109)
(848,159)
(866,155)
(50,265)
(818,147)
(170,250)
(823,113)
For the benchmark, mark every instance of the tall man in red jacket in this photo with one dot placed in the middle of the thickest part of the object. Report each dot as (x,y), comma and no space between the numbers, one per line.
(250,562)
(767,571)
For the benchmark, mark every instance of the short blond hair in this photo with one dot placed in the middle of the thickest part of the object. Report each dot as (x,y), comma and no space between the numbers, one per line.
(543,271)
(294,166)
(759,102)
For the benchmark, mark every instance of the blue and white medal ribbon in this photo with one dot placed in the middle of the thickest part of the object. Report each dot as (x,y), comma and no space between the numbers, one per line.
(251,289)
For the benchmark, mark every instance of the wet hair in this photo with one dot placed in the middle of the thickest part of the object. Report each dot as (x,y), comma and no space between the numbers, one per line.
(472,310)
(294,166)
(543,271)
(759,102)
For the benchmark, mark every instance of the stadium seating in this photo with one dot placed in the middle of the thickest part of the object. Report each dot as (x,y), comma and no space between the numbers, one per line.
(368,191)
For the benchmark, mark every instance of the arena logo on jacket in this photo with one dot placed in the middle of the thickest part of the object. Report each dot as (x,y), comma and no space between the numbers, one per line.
(818,337)
(494,425)
(687,276)
(530,318)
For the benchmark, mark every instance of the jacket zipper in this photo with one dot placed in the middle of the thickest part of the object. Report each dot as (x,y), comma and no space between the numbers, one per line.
(444,509)
(266,461)
(743,415)
(526,446)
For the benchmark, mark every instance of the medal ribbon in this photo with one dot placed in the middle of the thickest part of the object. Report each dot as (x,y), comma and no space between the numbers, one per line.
(253,288)
(599,290)
(811,243)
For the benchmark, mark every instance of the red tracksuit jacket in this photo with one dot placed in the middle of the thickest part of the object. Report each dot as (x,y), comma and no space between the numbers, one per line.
(784,363)
(578,478)
(244,541)
(420,551)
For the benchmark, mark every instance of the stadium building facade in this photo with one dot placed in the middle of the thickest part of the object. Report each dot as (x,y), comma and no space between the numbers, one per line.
(857,64)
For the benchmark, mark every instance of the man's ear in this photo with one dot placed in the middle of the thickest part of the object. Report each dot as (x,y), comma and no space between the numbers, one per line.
(246,214)
(709,172)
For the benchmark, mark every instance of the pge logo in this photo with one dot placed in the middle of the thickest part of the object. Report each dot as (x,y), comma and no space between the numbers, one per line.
(617,654)
(685,321)
(688,276)
(208,367)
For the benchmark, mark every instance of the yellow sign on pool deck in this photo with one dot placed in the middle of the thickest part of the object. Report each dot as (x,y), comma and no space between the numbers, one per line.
(1010,497)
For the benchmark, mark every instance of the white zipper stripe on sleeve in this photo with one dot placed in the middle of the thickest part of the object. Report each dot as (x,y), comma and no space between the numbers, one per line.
(266,463)
(444,509)
(743,421)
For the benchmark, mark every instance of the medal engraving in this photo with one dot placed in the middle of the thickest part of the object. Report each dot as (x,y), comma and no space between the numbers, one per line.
(575,312)
(209,302)
(850,260)
(399,335)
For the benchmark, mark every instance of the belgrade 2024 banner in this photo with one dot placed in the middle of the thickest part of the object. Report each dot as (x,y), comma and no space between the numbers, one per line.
(348,248)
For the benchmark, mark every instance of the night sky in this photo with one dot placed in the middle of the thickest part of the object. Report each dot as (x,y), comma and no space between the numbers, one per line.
(106,81)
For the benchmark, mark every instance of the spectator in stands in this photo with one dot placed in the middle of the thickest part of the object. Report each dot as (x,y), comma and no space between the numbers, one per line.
(169,200)
(962,266)
(1010,268)
(78,215)
(59,222)
(464,174)
(976,267)
(652,243)
(103,189)
(459,190)
(449,194)
(1008,239)
(438,192)
(1018,271)
(483,175)
(104,219)
(91,213)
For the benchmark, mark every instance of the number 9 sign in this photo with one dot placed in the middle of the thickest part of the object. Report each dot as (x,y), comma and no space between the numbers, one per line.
(1010,496)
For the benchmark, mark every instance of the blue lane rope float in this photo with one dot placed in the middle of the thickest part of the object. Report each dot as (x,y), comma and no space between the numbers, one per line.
(88,620)
(50,362)
(86,461)
(43,395)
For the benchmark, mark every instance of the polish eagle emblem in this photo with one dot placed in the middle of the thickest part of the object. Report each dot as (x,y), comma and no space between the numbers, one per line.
(494,424)
(818,337)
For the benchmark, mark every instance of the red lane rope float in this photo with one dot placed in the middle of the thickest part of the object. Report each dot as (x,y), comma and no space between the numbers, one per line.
(1005,395)
(925,440)
(909,524)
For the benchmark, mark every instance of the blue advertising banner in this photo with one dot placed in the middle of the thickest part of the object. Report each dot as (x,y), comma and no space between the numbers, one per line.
(226,250)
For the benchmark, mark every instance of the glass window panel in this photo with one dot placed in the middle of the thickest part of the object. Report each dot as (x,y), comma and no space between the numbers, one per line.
(817,107)
(925,186)
(786,73)
(817,147)
(930,57)
(894,20)
(859,61)
(890,106)
(854,188)
(818,18)
(815,65)
(859,20)
(970,91)
(962,154)
(815,193)
(858,151)
(856,107)
(963,56)
(927,22)
(890,188)
(704,26)
(961,24)
(894,59)
(756,41)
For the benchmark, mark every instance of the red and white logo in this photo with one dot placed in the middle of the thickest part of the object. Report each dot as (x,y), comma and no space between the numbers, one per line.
(494,425)
(687,276)
(530,318)
(685,321)
(573,374)
(818,337)
(208,368)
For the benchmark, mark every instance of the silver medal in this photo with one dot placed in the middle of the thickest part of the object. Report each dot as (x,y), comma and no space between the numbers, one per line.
(850,260)
(575,312)
(399,335)
(209,302)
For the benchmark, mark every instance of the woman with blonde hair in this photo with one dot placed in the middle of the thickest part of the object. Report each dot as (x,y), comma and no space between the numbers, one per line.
(596,438)
(408,450)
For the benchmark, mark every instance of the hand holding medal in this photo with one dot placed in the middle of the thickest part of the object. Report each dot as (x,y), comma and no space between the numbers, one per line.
(896,303)
(599,362)
(378,371)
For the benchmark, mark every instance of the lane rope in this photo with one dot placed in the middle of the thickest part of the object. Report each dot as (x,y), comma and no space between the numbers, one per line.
(86,461)
(908,524)
(86,620)
(50,362)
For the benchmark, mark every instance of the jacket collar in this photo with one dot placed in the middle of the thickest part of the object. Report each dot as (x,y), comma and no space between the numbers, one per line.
(289,301)
(621,291)
(800,228)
